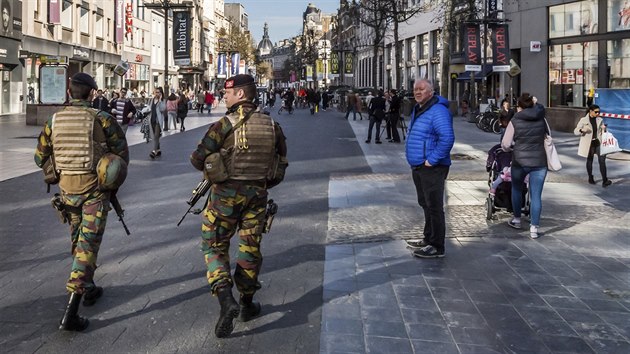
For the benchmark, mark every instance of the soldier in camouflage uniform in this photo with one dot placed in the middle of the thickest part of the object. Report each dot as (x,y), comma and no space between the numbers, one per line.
(86,205)
(240,201)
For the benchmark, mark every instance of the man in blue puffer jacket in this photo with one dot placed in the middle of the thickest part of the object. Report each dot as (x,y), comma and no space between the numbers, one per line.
(428,152)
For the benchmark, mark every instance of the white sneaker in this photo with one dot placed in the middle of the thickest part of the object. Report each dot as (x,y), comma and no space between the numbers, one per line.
(533,232)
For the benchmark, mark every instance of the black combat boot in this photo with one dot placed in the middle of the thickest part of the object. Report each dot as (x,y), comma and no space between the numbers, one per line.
(71,320)
(229,311)
(249,308)
(92,295)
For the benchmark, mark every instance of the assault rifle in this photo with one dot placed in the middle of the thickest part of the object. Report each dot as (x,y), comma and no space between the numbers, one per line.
(119,211)
(199,191)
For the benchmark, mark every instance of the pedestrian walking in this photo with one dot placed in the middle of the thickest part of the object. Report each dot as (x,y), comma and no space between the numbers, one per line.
(240,200)
(201,101)
(428,150)
(125,110)
(85,190)
(158,114)
(171,111)
(100,102)
(525,136)
(182,111)
(377,113)
(590,128)
(351,100)
(209,100)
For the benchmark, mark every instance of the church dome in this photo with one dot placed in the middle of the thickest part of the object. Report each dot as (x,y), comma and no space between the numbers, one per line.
(265,46)
(311,9)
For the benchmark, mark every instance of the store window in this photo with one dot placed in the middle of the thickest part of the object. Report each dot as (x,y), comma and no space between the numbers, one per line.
(618,15)
(85,20)
(572,72)
(66,14)
(619,63)
(573,19)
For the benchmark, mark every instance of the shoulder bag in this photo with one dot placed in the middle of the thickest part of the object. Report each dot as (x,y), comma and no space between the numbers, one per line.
(553,160)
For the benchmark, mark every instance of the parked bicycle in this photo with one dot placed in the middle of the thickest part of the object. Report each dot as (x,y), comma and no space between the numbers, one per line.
(488,121)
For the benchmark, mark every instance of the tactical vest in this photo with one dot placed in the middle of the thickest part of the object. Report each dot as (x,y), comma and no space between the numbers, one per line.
(77,145)
(249,151)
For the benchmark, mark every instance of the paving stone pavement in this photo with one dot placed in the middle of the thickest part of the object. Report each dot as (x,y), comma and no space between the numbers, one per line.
(496,291)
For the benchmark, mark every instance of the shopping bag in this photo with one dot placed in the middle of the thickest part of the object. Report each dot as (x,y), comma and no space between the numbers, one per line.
(609,144)
(553,160)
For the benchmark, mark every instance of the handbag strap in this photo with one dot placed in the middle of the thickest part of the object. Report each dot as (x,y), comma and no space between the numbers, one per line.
(548,130)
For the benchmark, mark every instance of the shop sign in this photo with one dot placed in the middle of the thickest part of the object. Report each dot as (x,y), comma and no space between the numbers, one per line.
(181,37)
(500,48)
(472,48)
(80,53)
(334,64)
(8,52)
(129,21)
(348,64)
(139,58)
(535,46)
(119,21)
(53,59)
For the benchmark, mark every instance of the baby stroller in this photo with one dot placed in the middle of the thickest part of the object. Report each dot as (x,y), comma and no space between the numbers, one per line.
(502,198)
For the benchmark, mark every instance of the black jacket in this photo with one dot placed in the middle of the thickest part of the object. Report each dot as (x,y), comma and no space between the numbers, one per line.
(529,137)
(377,107)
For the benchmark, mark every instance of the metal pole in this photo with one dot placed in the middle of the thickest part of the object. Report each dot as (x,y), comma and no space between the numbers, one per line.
(166,6)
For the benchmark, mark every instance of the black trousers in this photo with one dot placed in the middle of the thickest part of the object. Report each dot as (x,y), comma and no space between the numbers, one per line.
(430,183)
(374,120)
(594,149)
(392,127)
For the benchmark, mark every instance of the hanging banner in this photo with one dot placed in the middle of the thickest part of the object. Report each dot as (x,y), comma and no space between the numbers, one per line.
(129,21)
(500,48)
(472,48)
(319,68)
(309,73)
(334,64)
(119,20)
(222,66)
(181,37)
(54,11)
(11,19)
(348,64)
(293,77)
(235,60)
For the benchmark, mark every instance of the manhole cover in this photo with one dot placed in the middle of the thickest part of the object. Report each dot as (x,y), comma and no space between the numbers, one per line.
(461,157)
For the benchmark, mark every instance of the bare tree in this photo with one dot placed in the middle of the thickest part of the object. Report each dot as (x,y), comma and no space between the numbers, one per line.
(375,15)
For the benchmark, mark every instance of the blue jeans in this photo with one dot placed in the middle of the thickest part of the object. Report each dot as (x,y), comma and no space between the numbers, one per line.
(536,181)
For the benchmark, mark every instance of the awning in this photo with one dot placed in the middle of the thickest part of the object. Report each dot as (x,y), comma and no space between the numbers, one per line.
(465,76)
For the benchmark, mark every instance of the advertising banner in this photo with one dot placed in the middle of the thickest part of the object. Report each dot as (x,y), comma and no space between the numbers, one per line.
(319,68)
(348,64)
(309,73)
(11,19)
(222,66)
(235,60)
(472,48)
(334,64)
(181,37)
(500,48)
(53,81)
(119,20)
(54,11)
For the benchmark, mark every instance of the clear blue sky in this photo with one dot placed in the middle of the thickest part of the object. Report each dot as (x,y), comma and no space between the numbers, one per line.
(283,17)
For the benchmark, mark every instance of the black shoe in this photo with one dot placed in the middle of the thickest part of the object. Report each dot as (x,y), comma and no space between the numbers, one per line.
(152,154)
(606,183)
(394,141)
(428,252)
(416,243)
(367,141)
(591,180)
(71,321)
(158,152)
(249,308)
(90,297)
(229,311)
(378,142)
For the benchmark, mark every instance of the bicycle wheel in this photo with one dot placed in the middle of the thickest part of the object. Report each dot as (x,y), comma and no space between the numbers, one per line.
(496,126)
(478,121)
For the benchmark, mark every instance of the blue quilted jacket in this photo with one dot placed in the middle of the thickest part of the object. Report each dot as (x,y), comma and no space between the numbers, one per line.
(431,135)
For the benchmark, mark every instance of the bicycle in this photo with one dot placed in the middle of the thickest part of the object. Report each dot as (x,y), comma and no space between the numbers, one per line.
(286,107)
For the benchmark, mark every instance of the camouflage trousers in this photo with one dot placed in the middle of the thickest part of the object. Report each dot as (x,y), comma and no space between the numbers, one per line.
(88,216)
(231,206)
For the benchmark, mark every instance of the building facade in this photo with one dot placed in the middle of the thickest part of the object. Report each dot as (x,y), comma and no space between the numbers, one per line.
(12,91)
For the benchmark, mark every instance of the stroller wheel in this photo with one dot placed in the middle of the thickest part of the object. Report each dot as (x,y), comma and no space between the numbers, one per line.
(489,208)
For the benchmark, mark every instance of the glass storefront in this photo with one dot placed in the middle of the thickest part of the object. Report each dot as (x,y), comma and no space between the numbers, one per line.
(573,19)
(618,15)
(619,63)
(572,73)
